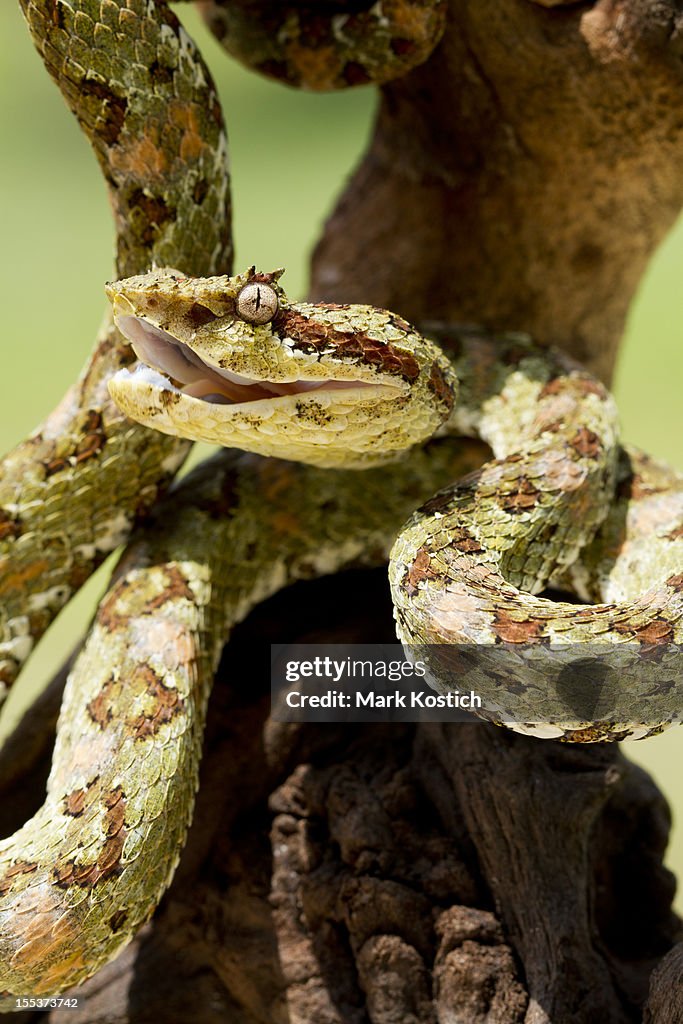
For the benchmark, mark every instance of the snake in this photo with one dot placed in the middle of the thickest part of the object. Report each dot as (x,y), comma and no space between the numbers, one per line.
(231,360)
(348,417)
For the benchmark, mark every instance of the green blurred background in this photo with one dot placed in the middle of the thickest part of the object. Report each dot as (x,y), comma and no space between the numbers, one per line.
(290,155)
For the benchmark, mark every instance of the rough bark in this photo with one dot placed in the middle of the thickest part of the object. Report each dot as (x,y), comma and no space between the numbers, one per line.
(664,1003)
(390,874)
(522,176)
(433,874)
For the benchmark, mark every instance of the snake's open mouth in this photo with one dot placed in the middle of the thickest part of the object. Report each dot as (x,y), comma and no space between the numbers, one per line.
(192,376)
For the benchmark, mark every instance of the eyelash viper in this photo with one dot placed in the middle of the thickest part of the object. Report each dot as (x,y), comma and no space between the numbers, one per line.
(79,879)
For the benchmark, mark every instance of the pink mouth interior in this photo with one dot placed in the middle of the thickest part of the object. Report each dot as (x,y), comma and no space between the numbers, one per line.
(176,360)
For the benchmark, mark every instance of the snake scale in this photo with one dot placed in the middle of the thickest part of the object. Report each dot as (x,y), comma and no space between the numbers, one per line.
(78,880)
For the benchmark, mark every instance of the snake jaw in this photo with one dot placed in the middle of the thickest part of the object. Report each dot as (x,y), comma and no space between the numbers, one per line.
(321,421)
(326,384)
(193,376)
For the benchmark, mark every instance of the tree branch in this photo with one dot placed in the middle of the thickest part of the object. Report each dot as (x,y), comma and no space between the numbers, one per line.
(522,177)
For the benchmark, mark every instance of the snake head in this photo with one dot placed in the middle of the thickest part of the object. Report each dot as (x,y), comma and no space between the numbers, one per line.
(231,361)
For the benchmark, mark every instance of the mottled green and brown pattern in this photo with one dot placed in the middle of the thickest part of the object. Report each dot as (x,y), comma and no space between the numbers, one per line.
(329,385)
(71,493)
(147,103)
(468,566)
(79,879)
(328,44)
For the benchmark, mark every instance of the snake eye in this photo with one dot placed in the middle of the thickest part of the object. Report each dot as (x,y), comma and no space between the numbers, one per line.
(257,303)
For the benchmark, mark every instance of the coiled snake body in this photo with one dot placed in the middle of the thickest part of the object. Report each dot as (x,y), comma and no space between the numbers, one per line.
(334,386)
